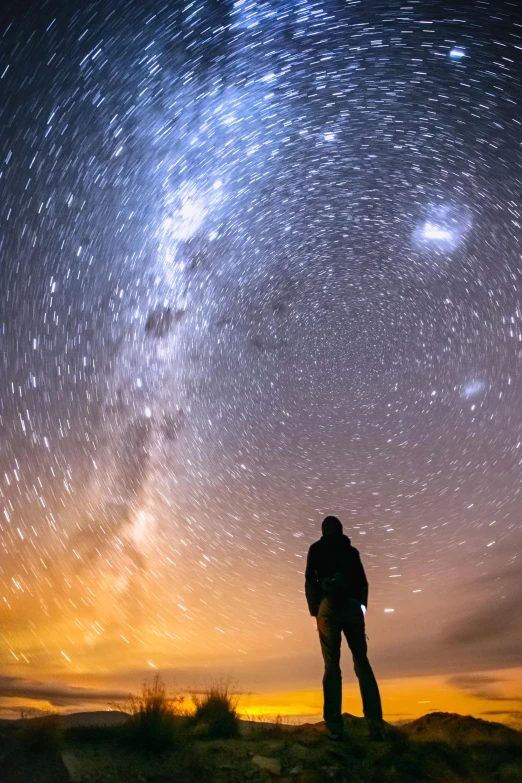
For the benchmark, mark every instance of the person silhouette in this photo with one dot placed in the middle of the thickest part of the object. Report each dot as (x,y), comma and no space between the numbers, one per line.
(337,595)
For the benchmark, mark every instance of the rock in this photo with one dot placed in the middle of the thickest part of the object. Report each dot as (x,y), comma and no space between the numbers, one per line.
(309,740)
(331,770)
(268,764)
(274,747)
(299,752)
(295,771)
(73,766)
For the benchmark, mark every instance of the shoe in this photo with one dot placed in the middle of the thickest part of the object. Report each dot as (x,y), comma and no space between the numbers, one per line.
(336,736)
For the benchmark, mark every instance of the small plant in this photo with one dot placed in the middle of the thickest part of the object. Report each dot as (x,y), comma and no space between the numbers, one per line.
(154,724)
(41,733)
(265,726)
(215,715)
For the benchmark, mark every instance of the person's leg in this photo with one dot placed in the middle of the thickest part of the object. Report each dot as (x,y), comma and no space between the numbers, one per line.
(330,638)
(356,638)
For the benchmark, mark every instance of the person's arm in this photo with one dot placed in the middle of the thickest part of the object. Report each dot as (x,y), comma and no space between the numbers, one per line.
(363,582)
(364,598)
(312,591)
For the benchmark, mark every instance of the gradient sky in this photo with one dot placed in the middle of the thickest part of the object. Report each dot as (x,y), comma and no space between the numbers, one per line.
(260,262)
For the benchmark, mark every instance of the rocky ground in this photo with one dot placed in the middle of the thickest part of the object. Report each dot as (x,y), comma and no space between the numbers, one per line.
(438,748)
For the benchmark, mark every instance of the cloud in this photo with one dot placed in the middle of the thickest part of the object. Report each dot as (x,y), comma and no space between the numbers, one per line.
(468,682)
(491,632)
(56,694)
(494,622)
(480,686)
(473,683)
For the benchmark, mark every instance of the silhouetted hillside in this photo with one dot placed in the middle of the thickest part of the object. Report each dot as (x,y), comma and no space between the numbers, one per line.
(461,730)
(437,748)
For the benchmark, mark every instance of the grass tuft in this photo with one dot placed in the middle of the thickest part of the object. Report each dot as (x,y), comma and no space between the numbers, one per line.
(267,726)
(155,724)
(215,715)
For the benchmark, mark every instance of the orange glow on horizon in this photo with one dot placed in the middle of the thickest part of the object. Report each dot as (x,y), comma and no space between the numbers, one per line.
(403,699)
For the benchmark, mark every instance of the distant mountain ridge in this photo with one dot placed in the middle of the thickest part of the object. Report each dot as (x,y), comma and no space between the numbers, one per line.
(95,718)
(448,727)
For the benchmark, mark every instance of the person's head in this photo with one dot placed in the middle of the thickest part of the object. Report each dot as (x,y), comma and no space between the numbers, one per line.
(331,526)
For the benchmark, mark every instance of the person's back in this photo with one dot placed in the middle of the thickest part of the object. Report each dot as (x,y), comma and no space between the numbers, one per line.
(337,595)
(334,570)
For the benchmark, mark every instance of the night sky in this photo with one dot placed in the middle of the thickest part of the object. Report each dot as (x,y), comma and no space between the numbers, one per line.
(260,262)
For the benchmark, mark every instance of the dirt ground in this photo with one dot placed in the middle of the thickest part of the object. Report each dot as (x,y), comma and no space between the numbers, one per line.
(18,767)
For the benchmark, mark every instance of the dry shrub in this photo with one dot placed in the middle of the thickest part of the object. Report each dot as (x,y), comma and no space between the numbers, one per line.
(215,715)
(155,723)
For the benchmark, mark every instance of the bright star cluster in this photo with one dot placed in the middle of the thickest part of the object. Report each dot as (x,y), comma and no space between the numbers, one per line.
(260,262)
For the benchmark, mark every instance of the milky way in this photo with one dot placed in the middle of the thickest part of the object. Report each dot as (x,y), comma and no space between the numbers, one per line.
(260,262)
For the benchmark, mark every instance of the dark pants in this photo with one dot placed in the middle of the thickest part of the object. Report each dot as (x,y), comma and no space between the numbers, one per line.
(331,622)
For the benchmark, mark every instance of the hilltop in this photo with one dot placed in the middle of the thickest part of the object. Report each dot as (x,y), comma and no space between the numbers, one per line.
(437,748)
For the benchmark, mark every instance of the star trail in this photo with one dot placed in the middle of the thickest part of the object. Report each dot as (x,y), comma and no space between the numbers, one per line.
(260,262)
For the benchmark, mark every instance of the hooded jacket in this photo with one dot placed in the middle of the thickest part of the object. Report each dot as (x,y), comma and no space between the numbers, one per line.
(334,553)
